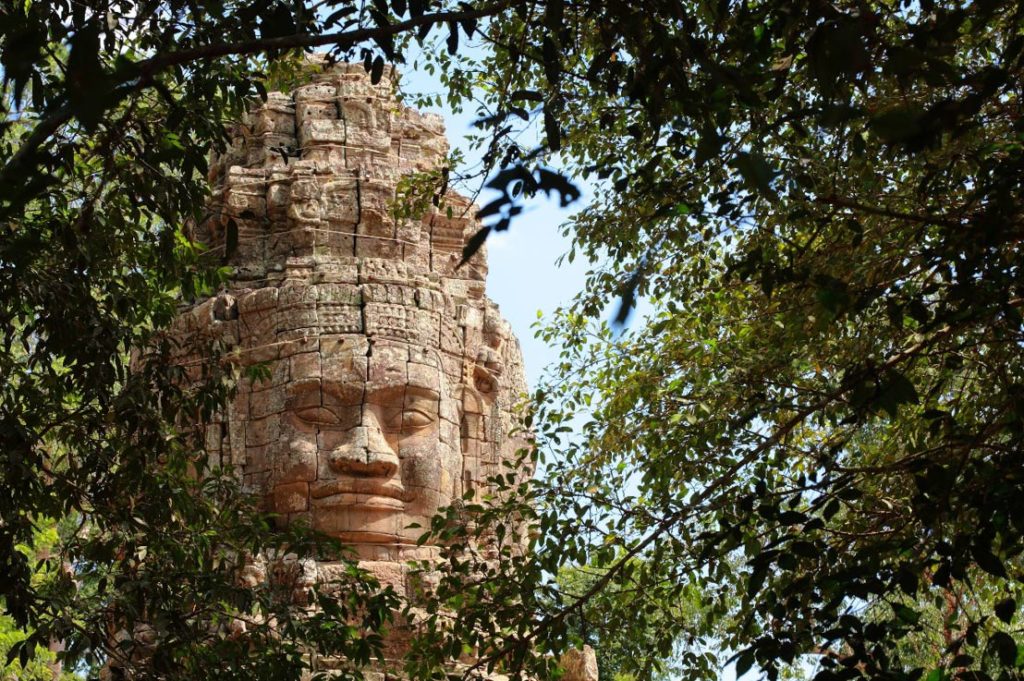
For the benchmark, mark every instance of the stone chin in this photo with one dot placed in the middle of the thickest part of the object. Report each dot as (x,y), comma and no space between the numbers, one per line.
(376,523)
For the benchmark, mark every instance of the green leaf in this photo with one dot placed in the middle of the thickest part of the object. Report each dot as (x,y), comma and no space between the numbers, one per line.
(895,390)
(898,124)
(377,70)
(903,61)
(277,21)
(906,614)
(708,147)
(552,130)
(474,244)
(744,662)
(87,83)
(987,560)
(836,52)
(1005,609)
(908,580)
(1004,647)
(757,577)
(16,651)
(805,549)
(755,172)
(791,518)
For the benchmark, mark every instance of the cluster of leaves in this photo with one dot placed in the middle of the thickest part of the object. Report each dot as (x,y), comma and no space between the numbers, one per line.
(41,663)
(38,666)
(624,653)
(417,192)
(820,421)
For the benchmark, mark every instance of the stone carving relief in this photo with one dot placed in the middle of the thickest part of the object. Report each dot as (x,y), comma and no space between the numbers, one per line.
(388,380)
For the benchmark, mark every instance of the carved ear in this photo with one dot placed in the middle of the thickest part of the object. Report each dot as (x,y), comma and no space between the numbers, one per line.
(471,435)
(485,383)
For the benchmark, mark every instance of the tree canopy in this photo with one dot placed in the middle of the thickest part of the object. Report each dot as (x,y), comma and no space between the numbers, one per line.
(818,427)
(819,424)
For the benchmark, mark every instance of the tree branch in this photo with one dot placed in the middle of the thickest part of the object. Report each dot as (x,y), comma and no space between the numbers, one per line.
(651,537)
(840,202)
(156,64)
(695,504)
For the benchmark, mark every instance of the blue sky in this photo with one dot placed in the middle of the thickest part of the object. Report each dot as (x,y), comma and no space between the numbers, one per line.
(523,277)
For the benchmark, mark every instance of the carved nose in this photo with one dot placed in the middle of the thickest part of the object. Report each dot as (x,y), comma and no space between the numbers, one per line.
(366,454)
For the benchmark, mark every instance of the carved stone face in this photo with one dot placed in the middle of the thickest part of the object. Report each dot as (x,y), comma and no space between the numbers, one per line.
(387,379)
(369,440)
(390,378)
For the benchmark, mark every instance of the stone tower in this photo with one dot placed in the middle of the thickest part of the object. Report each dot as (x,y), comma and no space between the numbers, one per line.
(388,379)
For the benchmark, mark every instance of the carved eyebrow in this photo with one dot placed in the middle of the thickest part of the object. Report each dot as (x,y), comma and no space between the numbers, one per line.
(423,391)
(397,396)
(341,387)
(403,382)
(381,393)
(304,385)
(344,391)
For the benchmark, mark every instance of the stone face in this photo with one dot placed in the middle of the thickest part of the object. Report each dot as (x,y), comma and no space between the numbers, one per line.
(383,380)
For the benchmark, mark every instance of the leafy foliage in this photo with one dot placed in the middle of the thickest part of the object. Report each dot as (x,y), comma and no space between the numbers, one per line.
(819,424)
(818,427)
(624,648)
(40,663)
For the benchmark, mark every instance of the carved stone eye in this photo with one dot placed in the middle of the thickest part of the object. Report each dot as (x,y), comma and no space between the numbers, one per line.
(416,418)
(411,418)
(419,411)
(318,416)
